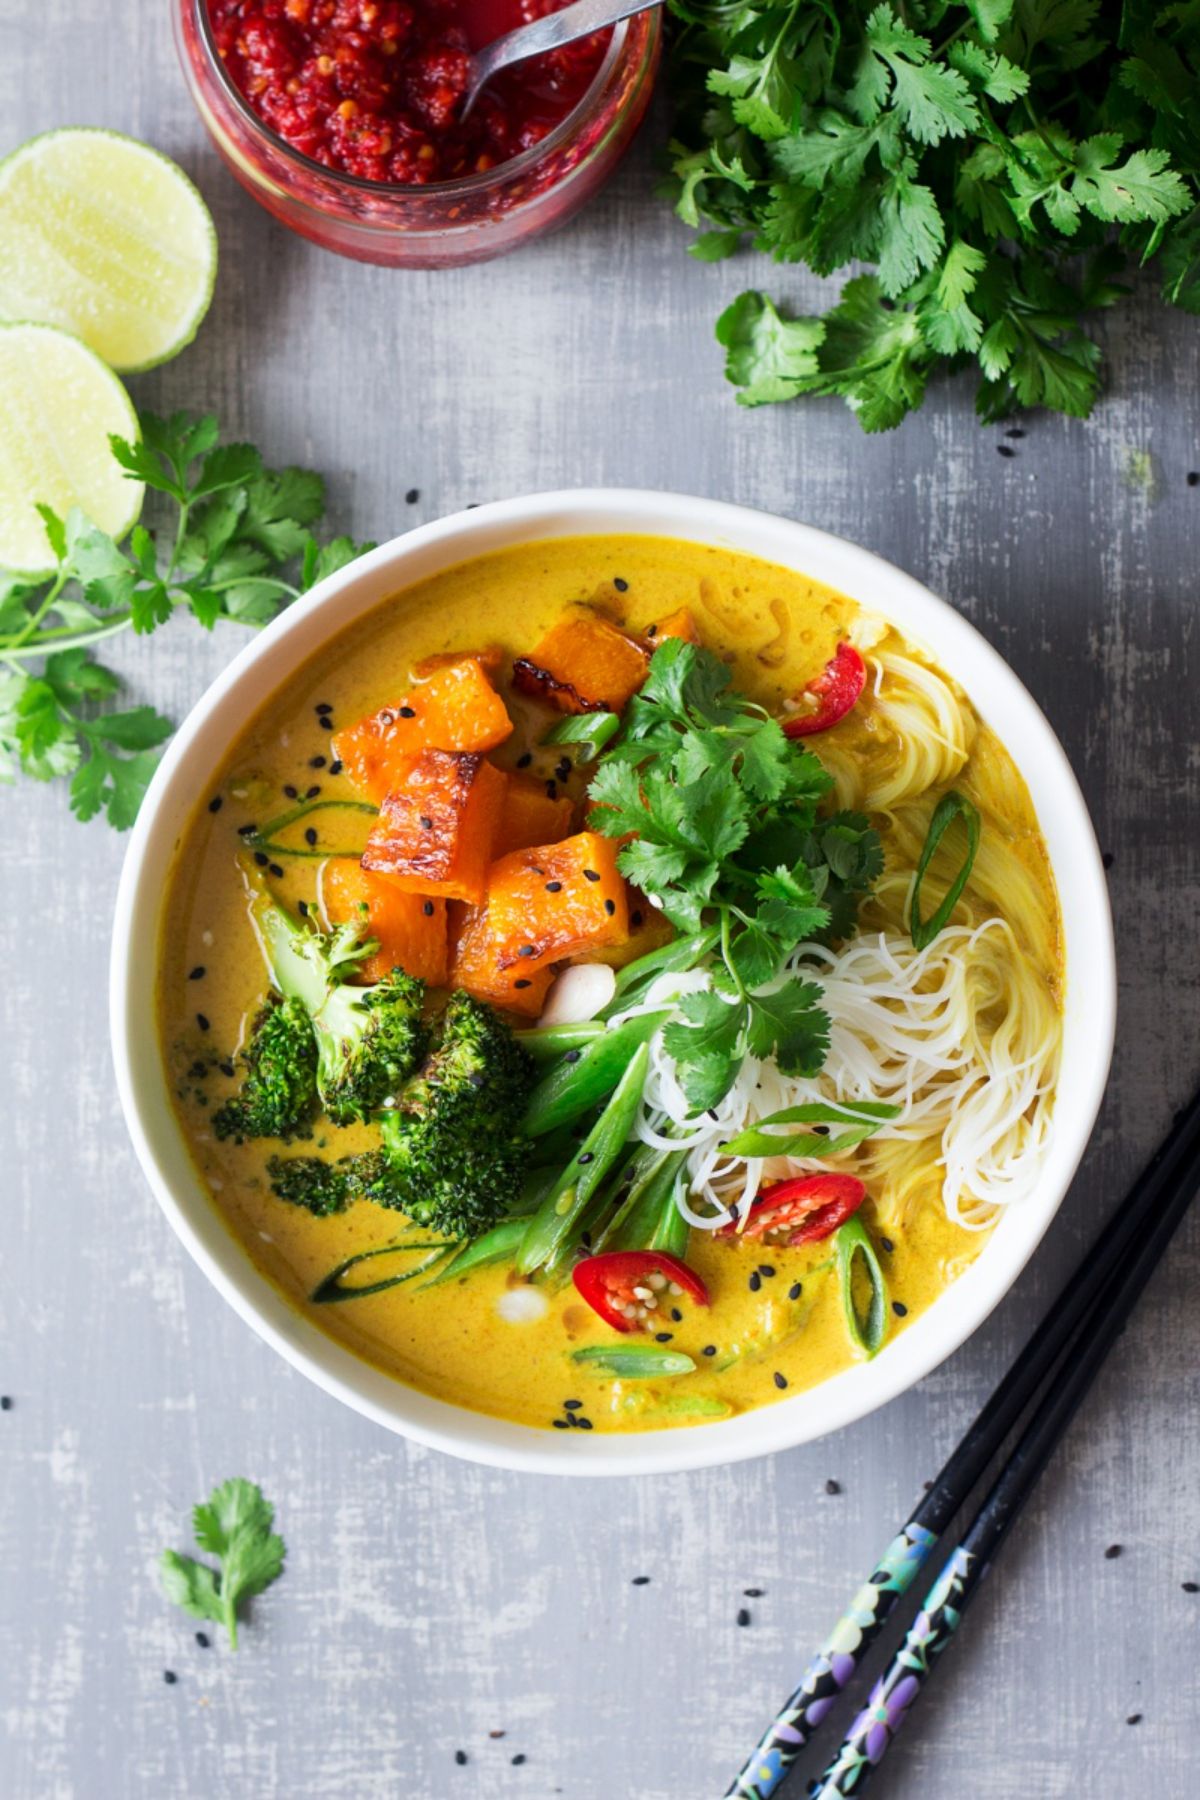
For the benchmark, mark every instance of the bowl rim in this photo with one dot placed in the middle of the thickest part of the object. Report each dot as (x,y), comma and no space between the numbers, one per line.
(320,616)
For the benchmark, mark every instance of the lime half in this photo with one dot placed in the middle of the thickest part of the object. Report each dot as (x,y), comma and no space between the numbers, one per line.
(106,238)
(58,403)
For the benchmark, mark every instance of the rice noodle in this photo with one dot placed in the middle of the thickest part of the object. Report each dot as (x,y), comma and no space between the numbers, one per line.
(963,1036)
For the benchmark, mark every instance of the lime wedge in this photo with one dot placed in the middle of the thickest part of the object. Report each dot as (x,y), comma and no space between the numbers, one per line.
(106,238)
(58,403)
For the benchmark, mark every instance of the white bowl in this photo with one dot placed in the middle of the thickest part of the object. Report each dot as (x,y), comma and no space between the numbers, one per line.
(266,662)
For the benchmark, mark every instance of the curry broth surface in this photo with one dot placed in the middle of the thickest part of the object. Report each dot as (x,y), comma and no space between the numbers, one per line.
(777,629)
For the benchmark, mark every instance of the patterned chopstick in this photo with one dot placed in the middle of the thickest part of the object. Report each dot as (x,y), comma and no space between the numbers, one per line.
(1101,1289)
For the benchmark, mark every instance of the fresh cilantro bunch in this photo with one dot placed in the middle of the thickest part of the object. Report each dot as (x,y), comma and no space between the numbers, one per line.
(234,1525)
(238,547)
(728,833)
(997,161)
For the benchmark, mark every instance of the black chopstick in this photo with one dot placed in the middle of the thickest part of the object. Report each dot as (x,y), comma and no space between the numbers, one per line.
(1077,1332)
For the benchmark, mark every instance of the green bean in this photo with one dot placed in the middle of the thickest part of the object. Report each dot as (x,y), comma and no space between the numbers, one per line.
(867,1329)
(548,1041)
(571,1088)
(862,1119)
(637,1363)
(496,1245)
(560,1211)
(330,1288)
(679,954)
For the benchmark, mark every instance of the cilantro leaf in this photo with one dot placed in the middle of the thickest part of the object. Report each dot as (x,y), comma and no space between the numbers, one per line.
(767,356)
(235,1526)
(790,1026)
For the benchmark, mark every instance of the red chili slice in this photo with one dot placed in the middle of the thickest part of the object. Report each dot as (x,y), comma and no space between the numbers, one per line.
(806,1209)
(609,1284)
(836,689)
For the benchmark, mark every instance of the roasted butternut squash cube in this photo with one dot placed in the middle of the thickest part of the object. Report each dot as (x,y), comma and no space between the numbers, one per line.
(436,828)
(553,901)
(412,929)
(583,664)
(679,624)
(649,930)
(531,816)
(455,707)
(475,966)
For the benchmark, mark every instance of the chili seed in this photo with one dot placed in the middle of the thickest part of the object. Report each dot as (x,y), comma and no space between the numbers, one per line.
(621,585)
(590,875)
(795,1291)
(196,974)
(316,762)
(755,1282)
(523,762)
(743,1617)
(310,836)
(216,803)
(780,1380)
(610,907)
(291,792)
(1113,1551)
(832,1486)
(554,887)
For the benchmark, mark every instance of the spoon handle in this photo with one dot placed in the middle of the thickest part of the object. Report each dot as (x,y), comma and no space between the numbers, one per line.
(550,33)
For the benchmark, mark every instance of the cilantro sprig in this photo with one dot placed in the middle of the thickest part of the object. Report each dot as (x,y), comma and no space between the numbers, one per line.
(235,1525)
(728,833)
(234,542)
(998,162)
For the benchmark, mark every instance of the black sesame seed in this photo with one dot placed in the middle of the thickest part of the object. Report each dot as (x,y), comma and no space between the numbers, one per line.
(1113,1551)
(276,870)
(1134,1719)
(709,1350)
(572,1405)
(766,1270)
(677,1315)
(202,1022)
(552,790)
(663,1337)
(1014,431)
(753,1593)
(460,1757)
(302,908)
(316,762)
(899,1308)
(641,1581)
(323,706)
(408,712)
(198,1071)
(779,1380)
(585,1156)
(410,499)
(755,1282)
(6,1405)
(1193,479)
(216,803)
(426,822)
(1189,1587)
(887,1244)
(170,1677)
(335,767)
(590,875)
(572,1420)
(652,631)
(526,950)
(572,1056)
(203,1639)
(554,887)
(247,830)
(291,792)
(310,836)
(523,762)
(610,907)
(1005,450)
(312,792)
(518,1759)
(584,1424)
(564,768)
(795,1291)
(226,1068)
(743,1617)
(260,859)
(197,974)
(1108,859)
(832,1486)
(621,585)
(635,919)
(560,1424)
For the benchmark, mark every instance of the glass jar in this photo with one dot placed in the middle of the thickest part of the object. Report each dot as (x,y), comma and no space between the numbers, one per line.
(445,223)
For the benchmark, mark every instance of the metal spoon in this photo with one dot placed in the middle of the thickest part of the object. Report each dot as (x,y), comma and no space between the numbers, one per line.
(550,33)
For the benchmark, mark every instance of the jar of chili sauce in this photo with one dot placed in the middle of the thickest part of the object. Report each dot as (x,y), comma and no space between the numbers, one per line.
(344,119)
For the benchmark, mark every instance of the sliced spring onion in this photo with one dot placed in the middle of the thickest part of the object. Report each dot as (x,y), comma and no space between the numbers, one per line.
(331,1288)
(679,954)
(559,1215)
(951,806)
(265,837)
(868,1328)
(633,1364)
(588,731)
(570,1088)
(861,1119)
(548,1041)
(497,1245)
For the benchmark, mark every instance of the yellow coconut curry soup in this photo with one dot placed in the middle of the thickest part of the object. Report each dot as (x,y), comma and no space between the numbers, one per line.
(615,986)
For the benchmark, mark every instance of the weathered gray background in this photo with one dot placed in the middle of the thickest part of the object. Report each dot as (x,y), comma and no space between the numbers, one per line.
(427,1603)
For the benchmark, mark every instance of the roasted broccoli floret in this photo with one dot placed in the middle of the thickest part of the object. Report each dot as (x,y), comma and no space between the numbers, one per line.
(369,1041)
(348,1048)
(279,1088)
(454,1158)
(326,1187)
